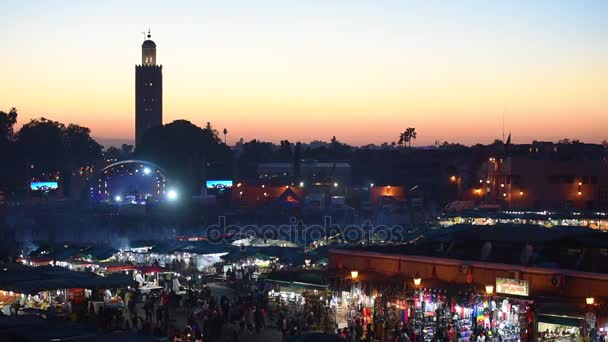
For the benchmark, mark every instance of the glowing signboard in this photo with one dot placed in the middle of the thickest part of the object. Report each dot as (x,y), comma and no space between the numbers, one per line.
(43,186)
(218,184)
(513,287)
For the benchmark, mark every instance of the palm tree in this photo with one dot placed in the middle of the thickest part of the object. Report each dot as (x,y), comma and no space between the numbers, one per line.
(407,136)
(412,135)
(225,132)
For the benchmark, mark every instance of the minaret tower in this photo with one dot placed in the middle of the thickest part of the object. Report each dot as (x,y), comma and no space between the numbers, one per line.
(148,91)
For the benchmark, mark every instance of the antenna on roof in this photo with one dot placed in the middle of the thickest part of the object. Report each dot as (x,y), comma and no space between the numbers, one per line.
(149,35)
(503,125)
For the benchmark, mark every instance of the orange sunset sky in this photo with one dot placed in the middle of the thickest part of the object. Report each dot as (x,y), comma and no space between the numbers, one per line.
(360,70)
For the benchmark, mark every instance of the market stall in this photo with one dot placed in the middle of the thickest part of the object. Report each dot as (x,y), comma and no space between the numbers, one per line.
(51,289)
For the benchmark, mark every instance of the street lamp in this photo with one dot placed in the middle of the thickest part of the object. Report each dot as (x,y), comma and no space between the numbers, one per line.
(354,275)
(489,290)
(417,280)
(590,300)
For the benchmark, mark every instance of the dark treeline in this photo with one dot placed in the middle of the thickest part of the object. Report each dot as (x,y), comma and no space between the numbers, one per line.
(44,148)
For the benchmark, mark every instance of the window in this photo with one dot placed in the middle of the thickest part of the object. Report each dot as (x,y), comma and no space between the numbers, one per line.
(516,179)
(568,179)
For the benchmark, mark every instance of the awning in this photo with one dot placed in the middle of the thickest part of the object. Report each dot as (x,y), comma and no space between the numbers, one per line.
(559,311)
(30,280)
(568,321)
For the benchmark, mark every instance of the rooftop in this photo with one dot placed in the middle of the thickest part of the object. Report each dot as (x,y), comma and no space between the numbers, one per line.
(566,248)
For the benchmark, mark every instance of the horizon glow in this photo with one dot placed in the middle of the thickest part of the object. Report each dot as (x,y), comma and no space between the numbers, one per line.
(360,70)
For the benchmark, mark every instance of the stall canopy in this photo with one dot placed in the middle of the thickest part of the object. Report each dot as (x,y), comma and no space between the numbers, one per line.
(191,247)
(117,266)
(285,255)
(66,252)
(31,280)
(559,311)
(299,278)
(151,269)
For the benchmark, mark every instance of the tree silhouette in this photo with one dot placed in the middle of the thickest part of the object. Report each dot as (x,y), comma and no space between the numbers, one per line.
(49,147)
(80,148)
(184,150)
(252,153)
(407,136)
(7,124)
(127,150)
(213,131)
(40,143)
(284,151)
(9,167)
(113,154)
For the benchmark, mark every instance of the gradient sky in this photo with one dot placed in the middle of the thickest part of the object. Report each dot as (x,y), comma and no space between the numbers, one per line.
(304,70)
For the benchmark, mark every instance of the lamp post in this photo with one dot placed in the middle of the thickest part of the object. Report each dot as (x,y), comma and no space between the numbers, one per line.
(354,275)
(417,283)
(489,293)
(417,280)
(590,301)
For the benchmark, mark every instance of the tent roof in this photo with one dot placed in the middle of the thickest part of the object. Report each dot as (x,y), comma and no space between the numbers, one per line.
(193,247)
(284,254)
(30,280)
(64,252)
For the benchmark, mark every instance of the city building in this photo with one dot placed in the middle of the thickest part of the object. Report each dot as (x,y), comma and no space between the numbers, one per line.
(311,172)
(148,91)
(544,175)
(252,195)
